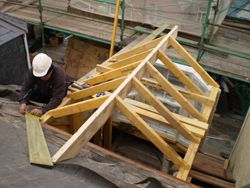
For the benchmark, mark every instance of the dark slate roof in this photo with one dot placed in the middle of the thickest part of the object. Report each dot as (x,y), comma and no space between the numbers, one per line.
(11,28)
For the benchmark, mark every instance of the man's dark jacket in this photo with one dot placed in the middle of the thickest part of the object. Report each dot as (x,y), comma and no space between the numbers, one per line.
(53,89)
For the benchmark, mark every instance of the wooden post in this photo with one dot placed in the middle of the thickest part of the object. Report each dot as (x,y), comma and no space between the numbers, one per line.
(107,134)
(76,122)
(117,8)
(97,139)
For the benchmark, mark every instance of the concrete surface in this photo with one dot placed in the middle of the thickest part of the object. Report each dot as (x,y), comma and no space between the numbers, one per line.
(16,170)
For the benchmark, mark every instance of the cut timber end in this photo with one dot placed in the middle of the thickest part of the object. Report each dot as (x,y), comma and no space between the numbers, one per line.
(38,149)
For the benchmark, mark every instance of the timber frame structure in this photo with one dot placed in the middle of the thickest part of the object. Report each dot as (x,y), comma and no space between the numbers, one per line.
(107,92)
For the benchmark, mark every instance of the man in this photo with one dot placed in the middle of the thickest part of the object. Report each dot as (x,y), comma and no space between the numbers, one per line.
(45,83)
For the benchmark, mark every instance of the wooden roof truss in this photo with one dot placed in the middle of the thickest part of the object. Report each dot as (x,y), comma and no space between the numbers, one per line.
(125,72)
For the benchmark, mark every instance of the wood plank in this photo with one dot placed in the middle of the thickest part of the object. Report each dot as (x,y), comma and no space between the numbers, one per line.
(107,86)
(137,50)
(148,132)
(199,98)
(47,117)
(189,59)
(130,59)
(77,107)
(155,116)
(168,87)
(178,73)
(211,166)
(149,97)
(38,149)
(123,71)
(193,122)
(211,180)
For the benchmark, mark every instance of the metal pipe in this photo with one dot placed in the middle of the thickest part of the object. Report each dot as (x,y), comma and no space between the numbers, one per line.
(211,70)
(226,51)
(60,11)
(204,30)
(216,8)
(77,34)
(212,48)
(123,20)
(63,30)
(40,8)
(27,50)
(114,28)
(230,27)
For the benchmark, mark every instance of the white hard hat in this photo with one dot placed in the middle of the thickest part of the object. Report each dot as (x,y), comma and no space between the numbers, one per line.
(41,64)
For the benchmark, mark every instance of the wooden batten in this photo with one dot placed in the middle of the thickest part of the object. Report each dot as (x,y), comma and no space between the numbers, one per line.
(38,149)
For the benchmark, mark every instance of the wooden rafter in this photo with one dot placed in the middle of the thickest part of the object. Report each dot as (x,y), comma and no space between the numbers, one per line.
(190,60)
(199,98)
(178,73)
(78,107)
(137,50)
(151,99)
(156,117)
(106,86)
(129,60)
(112,74)
(126,71)
(186,120)
(168,87)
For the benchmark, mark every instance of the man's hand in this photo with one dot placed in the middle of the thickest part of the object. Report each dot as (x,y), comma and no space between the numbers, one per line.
(22,108)
(36,112)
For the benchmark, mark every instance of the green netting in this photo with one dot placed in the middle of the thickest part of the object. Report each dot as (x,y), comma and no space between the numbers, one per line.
(189,15)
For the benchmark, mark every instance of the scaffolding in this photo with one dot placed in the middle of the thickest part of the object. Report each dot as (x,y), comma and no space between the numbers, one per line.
(204,16)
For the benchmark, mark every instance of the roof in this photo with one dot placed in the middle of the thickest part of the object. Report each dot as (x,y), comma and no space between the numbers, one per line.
(11,28)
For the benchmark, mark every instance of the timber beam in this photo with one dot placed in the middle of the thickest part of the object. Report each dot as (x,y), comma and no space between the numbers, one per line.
(75,108)
(102,87)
